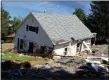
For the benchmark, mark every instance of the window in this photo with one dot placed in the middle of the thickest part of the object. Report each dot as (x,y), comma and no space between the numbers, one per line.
(65,53)
(33,29)
(65,49)
(27,27)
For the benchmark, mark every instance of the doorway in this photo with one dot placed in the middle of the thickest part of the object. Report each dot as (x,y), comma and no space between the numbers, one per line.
(31,46)
(65,53)
(42,49)
(18,44)
(78,47)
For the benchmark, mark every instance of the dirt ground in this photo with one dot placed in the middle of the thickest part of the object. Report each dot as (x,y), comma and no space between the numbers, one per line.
(6,46)
(101,48)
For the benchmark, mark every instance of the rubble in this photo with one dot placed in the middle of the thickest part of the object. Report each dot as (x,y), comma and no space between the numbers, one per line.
(70,63)
(63,67)
(100,49)
(37,66)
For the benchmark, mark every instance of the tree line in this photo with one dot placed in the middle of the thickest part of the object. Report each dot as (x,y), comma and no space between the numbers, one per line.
(97,21)
(8,25)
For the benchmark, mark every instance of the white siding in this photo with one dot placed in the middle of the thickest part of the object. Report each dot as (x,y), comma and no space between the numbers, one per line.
(71,49)
(88,42)
(41,38)
(59,49)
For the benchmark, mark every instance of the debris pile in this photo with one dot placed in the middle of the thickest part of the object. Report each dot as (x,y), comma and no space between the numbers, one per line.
(24,69)
(64,67)
(70,63)
(100,49)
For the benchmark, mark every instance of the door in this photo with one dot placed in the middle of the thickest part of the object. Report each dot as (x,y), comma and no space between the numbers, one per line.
(18,43)
(42,49)
(31,46)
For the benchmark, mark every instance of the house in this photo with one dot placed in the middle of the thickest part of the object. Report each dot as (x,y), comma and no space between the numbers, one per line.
(12,35)
(64,35)
(10,38)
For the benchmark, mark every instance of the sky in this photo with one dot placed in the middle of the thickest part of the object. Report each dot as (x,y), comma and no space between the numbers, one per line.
(22,9)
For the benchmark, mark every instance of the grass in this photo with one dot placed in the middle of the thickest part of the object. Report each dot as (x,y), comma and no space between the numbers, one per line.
(11,56)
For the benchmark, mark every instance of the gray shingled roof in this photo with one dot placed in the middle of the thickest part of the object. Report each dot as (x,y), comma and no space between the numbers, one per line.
(63,27)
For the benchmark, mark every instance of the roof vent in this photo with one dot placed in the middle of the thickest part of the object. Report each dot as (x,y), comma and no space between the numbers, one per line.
(45,11)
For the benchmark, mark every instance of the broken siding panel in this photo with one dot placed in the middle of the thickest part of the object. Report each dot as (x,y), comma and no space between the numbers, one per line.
(71,49)
(88,41)
(60,48)
(61,45)
(59,51)
(83,47)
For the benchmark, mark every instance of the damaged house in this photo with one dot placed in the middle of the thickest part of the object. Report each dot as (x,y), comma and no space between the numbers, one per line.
(65,35)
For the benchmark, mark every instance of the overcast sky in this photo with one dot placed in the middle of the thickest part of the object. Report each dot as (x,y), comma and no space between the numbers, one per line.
(21,9)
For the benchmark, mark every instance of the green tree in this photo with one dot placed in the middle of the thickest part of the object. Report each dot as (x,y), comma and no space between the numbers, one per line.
(97,21)
(14,24)
(4,22)
(80,14)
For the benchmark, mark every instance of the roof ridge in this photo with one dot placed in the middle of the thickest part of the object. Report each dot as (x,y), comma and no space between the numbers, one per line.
(53,14)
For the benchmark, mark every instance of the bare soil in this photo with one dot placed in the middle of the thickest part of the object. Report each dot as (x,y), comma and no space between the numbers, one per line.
(7,46)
